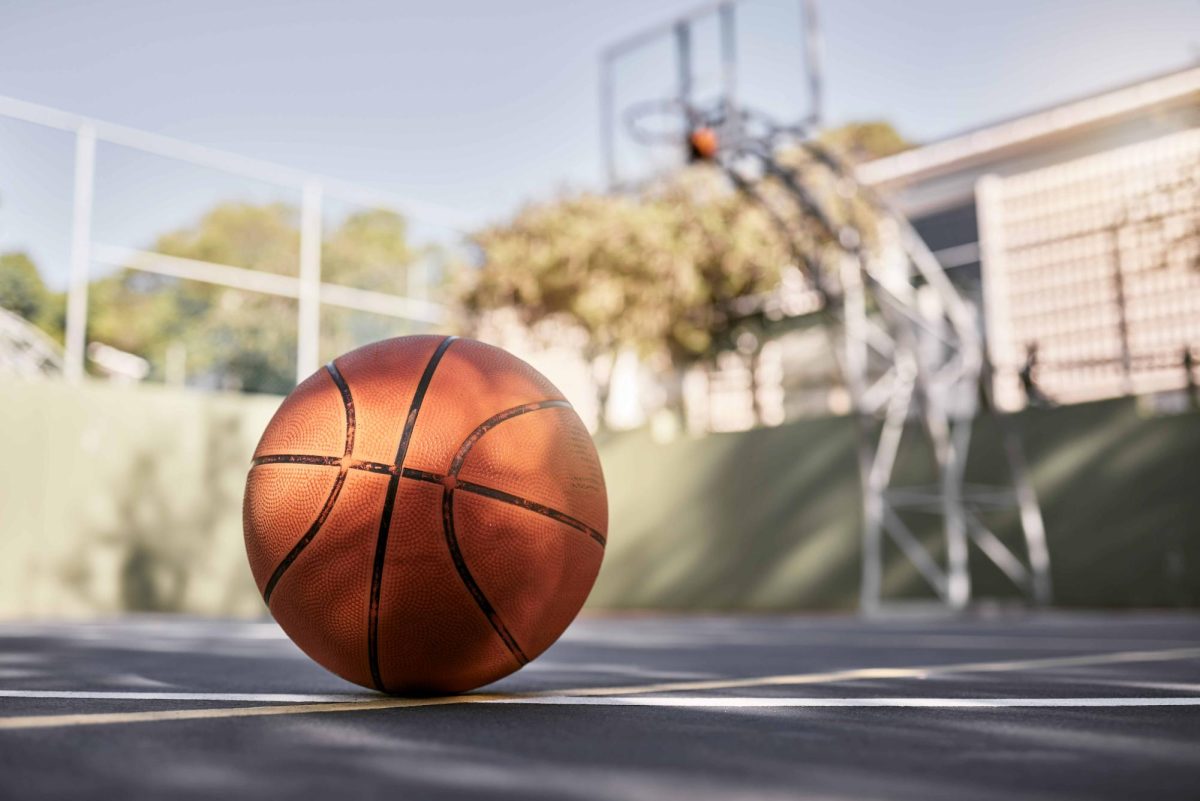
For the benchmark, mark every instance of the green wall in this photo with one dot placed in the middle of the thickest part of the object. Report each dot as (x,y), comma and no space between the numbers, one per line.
(770,519)
(124,498)
(128,498)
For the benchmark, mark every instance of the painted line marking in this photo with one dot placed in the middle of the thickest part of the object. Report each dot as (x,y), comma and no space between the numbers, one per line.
(856,674)
(260,698)
(56,721)
(726,702)
(828,677)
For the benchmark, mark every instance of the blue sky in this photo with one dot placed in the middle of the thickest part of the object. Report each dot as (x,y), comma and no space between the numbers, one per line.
(480,106)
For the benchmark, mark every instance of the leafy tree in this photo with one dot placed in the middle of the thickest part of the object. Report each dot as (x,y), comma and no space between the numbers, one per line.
(23,292)
(673,271)
(659,272)
(235,339)
(370,250)
(863,141)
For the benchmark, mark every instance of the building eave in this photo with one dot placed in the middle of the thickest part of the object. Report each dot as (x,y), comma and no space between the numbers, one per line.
(987,143)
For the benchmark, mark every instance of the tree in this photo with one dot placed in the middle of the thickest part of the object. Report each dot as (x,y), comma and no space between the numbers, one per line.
(672,270)
(659,272)
(237,339)
(23,292)
(863,141)
(370,250)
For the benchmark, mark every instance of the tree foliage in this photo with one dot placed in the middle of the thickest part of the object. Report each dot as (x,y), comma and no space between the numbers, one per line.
(660,270)
(655,272)
(23,292)
(667,270)
(236,339)
(863,141)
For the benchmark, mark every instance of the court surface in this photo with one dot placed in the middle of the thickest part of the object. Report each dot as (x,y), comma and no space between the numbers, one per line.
(1057,705)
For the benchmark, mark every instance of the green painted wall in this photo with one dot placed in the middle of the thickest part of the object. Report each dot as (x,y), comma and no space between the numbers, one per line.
(124,498)
(128,498)
(770,519)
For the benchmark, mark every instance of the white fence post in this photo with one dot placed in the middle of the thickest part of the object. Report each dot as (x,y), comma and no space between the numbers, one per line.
(308,340)
(81,252)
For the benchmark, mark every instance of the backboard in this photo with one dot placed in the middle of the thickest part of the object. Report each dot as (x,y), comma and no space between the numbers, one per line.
(760,54)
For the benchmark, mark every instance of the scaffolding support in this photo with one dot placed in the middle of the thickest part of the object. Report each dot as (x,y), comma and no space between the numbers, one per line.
(81,255)
(910,349)
(911,354)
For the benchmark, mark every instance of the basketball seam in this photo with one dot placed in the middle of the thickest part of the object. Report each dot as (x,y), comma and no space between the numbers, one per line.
(473,438)
(334,491)
(468,580)
(297,458)
(532,506)
(460,564)
(430,477)
(385,520)
(487,425)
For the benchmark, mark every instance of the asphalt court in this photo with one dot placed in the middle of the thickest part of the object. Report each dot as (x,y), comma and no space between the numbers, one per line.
(1053,705)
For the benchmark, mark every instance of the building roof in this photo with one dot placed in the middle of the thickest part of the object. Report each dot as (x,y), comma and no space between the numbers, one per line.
(985,143)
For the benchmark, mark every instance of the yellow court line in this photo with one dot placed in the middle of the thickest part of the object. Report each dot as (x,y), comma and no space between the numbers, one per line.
(102,718)
(825,677)
(857,674)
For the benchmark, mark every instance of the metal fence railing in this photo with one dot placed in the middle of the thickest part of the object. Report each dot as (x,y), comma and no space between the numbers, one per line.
(306,287)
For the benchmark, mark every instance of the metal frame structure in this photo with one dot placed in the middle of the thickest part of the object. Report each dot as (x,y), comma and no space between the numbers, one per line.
(909,347)
(680,29)
(912,358)
(307,287)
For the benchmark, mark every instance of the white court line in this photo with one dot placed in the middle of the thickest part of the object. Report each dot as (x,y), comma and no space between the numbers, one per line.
(713,701)
(263,698)
(727,702)
(606,694)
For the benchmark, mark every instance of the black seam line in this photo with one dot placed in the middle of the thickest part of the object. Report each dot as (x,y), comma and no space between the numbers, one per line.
(506,497)
(347,401)
(297,458)
(327,461)
(334,491)
(437,478)
(464,573)
(385,520)
(301,458)
(460,563)
(422,475)
(374,467)
(500,495)
(531,506)
(495,420)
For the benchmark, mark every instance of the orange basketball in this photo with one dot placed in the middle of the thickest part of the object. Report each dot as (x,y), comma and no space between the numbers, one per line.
(425,515)
(702,144)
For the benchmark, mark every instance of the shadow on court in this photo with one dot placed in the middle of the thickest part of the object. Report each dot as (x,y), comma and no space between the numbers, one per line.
(1056,705)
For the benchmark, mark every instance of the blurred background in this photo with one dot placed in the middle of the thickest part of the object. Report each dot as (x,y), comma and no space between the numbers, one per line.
(200,204)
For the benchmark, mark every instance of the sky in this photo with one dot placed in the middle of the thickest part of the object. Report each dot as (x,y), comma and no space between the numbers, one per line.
(479,106)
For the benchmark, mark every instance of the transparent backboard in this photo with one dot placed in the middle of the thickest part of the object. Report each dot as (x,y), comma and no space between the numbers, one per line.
(755,54)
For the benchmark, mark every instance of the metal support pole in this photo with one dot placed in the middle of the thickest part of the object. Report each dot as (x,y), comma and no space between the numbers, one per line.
(1031,518)
(308,337)
(81,252)
(958,574)
(1119,298)
(608,144)
(1189,378)
(728,21)
(683,63)
(813,60)
(854,324)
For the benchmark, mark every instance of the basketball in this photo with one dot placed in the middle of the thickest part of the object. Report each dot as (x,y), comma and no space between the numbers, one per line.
(425,515)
